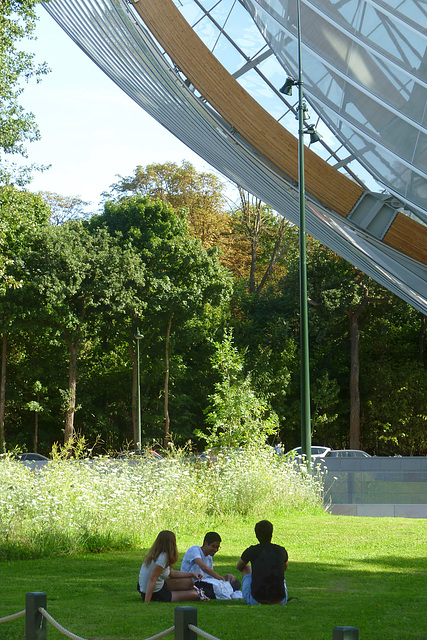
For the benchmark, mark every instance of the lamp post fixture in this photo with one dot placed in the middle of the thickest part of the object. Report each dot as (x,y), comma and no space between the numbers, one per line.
(303,128)
(138,337)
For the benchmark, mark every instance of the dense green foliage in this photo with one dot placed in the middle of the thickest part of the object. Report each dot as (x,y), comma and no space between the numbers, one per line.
(236,415)
(88,288)
(17,23)
(74,295)
(21,214)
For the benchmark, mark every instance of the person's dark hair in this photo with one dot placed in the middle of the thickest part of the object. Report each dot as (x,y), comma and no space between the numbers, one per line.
(237,585)
(210,537)
(264,531)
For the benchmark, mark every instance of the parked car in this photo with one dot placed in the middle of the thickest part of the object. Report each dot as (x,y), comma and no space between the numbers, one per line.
(347,453)
(31,457)
(316,452)
(33,461)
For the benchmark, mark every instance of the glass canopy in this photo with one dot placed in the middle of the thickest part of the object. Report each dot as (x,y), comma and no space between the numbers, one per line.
(210,72)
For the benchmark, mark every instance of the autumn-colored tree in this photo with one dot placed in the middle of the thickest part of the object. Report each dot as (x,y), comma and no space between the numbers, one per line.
(201,194)
(64,208)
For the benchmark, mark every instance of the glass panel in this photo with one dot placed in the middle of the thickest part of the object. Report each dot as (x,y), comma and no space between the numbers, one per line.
(364,66)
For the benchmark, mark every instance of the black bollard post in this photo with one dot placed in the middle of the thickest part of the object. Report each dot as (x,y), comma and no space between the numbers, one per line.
(345,633)
(183,617)
(35,623)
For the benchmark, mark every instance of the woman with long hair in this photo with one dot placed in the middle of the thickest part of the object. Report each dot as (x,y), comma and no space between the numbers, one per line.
(159,582)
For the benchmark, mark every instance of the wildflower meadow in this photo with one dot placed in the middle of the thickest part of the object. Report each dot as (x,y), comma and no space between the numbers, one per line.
(94,505)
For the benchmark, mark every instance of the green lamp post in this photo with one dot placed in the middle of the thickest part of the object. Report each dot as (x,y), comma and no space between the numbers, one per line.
(303,128)
(138,337)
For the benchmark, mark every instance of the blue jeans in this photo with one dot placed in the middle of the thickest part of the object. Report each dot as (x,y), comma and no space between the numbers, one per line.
(247,593)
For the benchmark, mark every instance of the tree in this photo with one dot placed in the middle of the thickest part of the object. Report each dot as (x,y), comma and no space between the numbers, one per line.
(337,291)
(183,280)
(353,316)
(195,281)
(64,208)
(21,215)
(200,194)
(36,406)
(182,187)
(267,235)
(148,227)
(236,415)
(339,294)
(17,21)
(263,330)
(81,277)
(393,384)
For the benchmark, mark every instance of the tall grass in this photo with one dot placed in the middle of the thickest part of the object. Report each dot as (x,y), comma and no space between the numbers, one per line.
(72,506)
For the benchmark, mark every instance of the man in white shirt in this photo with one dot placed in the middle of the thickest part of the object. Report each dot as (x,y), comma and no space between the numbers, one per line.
(201,558)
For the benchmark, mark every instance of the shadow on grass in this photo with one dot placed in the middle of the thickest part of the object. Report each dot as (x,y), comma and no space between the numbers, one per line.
(94,596)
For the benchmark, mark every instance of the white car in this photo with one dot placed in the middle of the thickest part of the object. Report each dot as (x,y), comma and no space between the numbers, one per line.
(316,452)
(347,453)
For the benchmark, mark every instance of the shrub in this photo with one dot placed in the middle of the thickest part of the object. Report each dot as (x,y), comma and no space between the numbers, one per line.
(71,506)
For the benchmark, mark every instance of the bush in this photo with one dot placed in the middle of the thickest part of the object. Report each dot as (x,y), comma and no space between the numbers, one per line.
(72,506)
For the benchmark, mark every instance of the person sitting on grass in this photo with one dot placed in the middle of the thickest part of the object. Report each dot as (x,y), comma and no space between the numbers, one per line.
(201,558)
(159,582)
(264,581)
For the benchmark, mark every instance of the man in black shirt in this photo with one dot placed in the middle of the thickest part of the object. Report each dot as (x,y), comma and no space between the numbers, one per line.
(264,581)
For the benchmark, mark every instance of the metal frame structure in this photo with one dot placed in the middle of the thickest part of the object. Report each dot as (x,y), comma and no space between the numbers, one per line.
(152,50)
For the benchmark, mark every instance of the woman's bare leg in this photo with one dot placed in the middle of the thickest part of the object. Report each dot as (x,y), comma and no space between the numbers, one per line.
(182,596)
(179,584)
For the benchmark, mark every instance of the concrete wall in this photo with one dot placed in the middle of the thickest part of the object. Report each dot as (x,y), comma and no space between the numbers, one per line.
(376,486)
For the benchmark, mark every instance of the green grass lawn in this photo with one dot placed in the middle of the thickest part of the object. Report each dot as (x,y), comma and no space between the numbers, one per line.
(370,573)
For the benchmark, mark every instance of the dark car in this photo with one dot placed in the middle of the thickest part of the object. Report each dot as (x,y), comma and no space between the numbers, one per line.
(32,457)
(33,461)
(347,453)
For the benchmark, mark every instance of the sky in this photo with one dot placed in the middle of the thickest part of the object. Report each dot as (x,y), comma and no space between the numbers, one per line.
(91,131)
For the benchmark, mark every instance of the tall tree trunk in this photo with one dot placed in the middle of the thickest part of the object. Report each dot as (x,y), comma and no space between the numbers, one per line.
(354,381)
(254,249)
(252,230)
(3,390)
(167,418)
(355,367)
(72,385)
(133,355)
(273,260)
(36,425)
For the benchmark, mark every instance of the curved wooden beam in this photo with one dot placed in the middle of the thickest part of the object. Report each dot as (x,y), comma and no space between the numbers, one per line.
(270,139)
(409,237)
